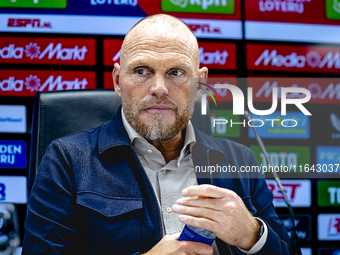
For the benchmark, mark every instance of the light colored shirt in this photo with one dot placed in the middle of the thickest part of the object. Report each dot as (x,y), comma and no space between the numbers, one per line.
(169,179)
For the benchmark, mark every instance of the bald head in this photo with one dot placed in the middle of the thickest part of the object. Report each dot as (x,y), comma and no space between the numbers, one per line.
(164,28)
(164,19)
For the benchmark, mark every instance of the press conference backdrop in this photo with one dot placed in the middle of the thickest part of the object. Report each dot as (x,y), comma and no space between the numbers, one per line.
(73,44)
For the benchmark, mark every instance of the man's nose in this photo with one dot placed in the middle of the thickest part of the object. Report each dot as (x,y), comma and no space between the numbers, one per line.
(159,86)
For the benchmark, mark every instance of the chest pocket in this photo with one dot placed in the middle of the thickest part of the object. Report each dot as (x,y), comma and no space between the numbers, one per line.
(113,222)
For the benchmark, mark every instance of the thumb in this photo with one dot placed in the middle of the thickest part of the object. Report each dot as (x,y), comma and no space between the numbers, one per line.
(174,236)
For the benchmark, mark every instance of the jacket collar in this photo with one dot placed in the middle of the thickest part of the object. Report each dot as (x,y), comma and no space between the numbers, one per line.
(113,133)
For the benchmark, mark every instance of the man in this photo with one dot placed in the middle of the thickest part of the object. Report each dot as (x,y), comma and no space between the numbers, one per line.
(113,189)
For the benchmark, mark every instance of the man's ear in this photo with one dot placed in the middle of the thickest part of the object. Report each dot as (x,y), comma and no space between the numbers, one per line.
(115,77)
(202,78)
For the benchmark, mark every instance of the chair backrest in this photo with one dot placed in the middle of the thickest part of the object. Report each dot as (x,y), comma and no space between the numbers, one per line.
(60,113)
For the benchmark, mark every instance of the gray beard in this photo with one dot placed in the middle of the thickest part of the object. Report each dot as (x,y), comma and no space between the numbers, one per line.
(157,131)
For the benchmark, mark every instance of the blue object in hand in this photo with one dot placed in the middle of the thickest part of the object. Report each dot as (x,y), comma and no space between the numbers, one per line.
(194,234)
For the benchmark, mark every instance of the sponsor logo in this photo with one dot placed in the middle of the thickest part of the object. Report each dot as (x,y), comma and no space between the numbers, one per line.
(302,224)
(328,155)
(115,2)
(224,130)
(328,227)
(312,59)
(199,6)
(13,189)
(325,91)
(329,193)
(33,83)
(282,6)
(13,154)
(31,23)
(293,58)
(335,122)
(47,50)
(217,55)
(296,126)
(55,4)
(26,83)
(298,192)
(204,28)
(290,156)
(13,119)
(332,9)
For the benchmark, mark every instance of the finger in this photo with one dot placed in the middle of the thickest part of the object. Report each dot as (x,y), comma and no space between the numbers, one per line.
(196,248)
(204,190)
(197,212)
(202,249)
(211,203)
(204,223)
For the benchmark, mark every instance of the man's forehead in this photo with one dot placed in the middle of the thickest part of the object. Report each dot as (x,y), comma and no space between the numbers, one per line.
(146,61)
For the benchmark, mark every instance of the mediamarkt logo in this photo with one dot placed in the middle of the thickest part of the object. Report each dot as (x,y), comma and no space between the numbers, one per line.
(293,58)
(39,50)
(27,82)
(34,51)
(217,57)
(312,59)
(33,83)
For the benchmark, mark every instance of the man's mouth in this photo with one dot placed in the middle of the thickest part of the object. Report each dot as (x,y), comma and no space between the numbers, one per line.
(158,108)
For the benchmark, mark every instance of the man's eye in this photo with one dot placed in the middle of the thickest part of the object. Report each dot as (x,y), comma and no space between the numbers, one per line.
(141,71)
(176,72)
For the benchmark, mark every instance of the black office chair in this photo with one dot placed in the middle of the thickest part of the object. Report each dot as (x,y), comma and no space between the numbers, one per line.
(60,113)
